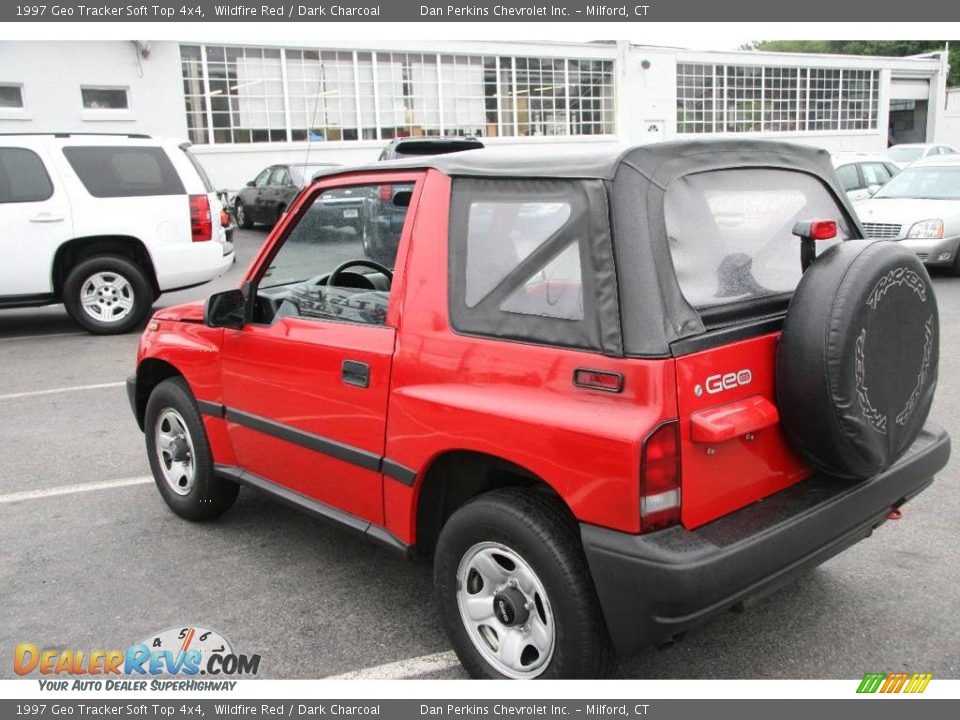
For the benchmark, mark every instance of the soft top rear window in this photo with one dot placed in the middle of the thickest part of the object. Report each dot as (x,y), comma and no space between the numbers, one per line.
(730,232)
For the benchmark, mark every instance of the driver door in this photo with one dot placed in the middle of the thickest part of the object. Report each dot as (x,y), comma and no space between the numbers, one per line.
(306,382)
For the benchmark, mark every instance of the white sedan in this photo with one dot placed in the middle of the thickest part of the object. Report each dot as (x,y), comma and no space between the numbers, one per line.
(908,153)
(920,207)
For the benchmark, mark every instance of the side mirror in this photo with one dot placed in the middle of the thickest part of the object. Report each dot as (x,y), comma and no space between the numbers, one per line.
(873,188)
(403,198)
(250,183)
(226,309)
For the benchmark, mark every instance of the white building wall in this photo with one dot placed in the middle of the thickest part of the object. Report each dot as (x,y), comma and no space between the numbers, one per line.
(950,123)
(51,74)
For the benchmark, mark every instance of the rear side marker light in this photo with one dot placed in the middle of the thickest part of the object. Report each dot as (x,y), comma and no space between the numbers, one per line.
(660,478)
(809,233)
(201,223)
(598,380)
(816,229)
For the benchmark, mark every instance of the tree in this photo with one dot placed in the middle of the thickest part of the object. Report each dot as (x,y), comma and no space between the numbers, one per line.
(894,48)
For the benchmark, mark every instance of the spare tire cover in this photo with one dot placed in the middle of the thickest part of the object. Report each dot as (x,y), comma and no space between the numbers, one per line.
(857,362)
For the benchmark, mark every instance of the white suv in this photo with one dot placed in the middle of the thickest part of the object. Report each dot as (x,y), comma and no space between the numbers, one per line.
(105,224)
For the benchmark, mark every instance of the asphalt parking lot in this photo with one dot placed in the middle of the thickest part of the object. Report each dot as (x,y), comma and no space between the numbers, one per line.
(102,569)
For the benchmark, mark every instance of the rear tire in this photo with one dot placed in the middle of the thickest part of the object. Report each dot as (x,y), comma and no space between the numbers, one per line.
(243,219)
(540,619)
(180,456)
(108,294)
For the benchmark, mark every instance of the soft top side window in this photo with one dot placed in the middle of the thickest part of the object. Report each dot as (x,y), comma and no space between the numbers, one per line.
(730,232)
(531,260)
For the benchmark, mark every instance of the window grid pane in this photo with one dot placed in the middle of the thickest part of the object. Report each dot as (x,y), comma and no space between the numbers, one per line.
(241,95)
(754,98)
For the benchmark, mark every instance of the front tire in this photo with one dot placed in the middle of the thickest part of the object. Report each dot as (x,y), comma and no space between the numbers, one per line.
(107,294)
(514,592)
(180,456)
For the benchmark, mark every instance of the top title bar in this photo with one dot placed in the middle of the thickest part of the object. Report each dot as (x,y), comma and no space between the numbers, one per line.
(482,11)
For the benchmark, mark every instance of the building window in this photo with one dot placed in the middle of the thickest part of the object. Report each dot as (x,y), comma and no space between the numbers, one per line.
(759,99)
(105,98)
(744,98)
(242,95)
(11,97)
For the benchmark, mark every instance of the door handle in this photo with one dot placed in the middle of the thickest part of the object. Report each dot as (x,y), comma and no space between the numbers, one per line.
(46,218)
(354,372)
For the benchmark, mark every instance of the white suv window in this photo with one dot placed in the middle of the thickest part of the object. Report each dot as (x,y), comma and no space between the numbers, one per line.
(23,178)
(124,171)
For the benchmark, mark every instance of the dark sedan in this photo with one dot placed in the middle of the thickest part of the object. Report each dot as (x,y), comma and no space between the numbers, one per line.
(266,197)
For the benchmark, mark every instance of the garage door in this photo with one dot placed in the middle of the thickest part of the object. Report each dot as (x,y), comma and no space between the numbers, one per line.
(909,89)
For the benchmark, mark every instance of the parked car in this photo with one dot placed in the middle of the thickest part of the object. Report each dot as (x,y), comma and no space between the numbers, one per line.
(907,153)
(384,214)
(269,194)
(920,208)
(420,146)
(573,388)
(105,224)
(862,174)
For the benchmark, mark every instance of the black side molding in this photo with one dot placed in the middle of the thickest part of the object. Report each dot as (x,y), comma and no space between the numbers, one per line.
(212,409)
(347,453)
(317,443)
(398,472)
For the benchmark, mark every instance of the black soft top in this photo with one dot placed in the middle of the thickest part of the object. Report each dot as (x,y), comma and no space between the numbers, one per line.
(651,316)
(658,161)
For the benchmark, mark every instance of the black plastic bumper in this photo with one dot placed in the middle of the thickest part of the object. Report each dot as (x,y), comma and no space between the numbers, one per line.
(132,396)
(653,587)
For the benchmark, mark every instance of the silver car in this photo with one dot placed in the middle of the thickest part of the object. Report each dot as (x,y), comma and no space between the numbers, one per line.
(920,207)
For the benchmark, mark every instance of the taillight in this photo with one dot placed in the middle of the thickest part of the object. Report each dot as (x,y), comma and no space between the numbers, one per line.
(201,223)
(224,219)
(660,478)
(386,193)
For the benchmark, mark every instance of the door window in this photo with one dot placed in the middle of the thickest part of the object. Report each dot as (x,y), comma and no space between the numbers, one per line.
(280,177)
(311,276)
(875,174)
(849,177)
(23,178)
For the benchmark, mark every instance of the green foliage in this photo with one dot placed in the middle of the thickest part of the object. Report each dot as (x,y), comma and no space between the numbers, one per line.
(894,48)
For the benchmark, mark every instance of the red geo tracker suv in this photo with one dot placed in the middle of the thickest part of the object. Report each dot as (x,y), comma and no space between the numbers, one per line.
(611,394)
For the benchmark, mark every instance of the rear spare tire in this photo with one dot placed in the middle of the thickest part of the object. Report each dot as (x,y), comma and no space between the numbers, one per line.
(857,362)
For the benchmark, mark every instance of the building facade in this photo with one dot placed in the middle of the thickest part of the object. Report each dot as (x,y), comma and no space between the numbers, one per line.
(246,106)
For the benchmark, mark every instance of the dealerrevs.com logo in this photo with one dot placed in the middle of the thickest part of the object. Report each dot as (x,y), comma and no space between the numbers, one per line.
(172,659)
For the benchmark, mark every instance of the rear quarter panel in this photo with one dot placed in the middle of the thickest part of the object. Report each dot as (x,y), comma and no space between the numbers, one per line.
(508,399)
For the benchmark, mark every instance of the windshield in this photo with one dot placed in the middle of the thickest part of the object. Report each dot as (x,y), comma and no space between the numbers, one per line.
(933,183)
(904,154)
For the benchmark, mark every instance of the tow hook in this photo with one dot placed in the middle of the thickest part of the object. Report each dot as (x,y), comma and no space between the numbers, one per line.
(894,514)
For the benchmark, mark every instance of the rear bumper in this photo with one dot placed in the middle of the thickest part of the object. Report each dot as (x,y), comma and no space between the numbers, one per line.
(653,587)
(185,264)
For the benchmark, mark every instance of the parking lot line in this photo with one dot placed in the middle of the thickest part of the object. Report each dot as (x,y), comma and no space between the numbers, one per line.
(41,336)
(402,669)
(74,489)
(53,391)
